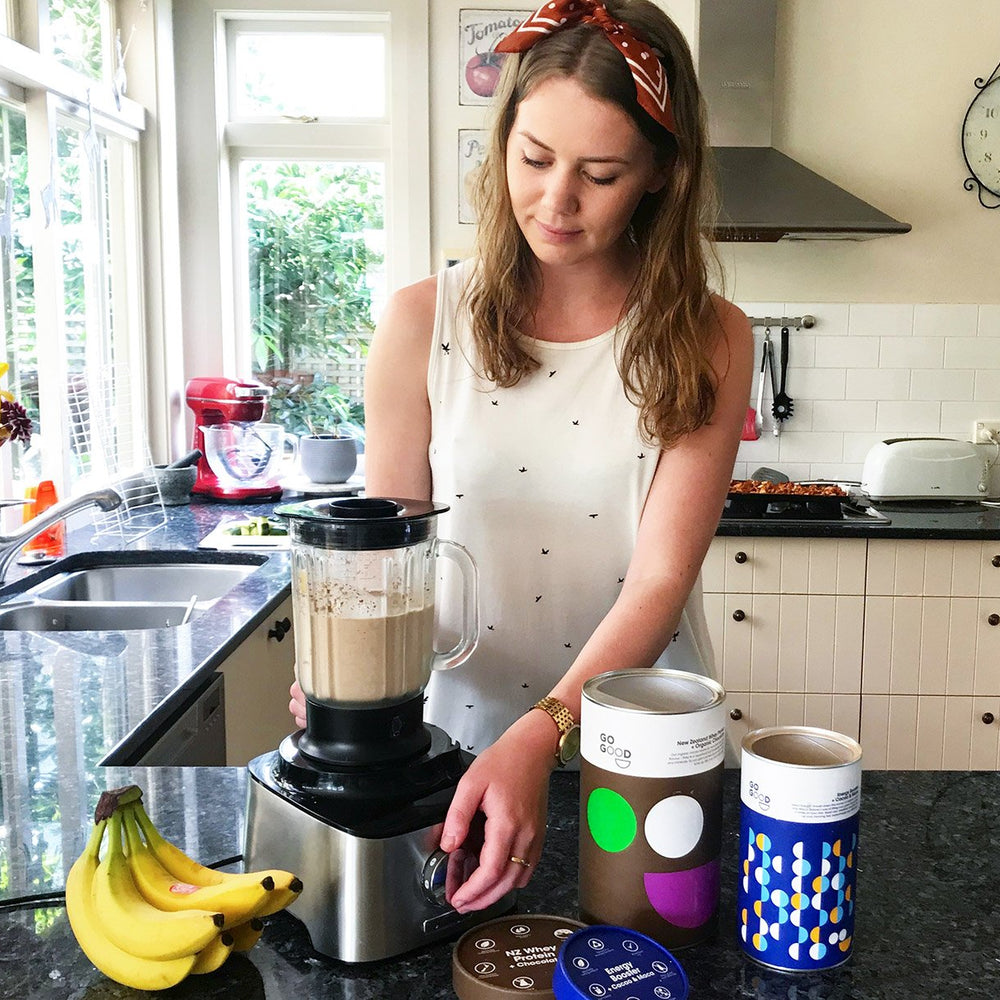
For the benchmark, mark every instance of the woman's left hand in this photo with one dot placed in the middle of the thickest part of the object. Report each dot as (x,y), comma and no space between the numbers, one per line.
(509,784)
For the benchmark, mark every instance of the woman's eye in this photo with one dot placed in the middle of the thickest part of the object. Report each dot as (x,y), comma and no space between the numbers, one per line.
(537,164)
(601,181)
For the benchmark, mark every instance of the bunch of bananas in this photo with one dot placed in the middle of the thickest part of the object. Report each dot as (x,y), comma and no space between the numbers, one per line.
(147,915)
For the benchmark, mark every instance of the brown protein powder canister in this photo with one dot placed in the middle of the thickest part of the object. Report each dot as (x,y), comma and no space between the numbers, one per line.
(513,956)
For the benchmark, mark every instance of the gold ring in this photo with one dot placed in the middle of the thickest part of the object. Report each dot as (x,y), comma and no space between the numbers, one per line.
(520,861)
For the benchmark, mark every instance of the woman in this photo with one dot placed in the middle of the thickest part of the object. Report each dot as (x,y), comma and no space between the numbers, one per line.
(575,394)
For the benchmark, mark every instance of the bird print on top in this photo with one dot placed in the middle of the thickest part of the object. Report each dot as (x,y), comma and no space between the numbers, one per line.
(551,497)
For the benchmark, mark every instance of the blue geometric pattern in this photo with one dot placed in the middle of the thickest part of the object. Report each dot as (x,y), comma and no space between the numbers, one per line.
(796,891)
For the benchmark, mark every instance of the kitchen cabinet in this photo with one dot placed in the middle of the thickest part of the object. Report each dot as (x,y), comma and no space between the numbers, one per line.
(931,678)
(257,677)
(786,620)
(893,641)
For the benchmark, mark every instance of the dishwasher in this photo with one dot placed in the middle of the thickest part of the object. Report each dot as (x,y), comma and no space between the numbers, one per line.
(194,735)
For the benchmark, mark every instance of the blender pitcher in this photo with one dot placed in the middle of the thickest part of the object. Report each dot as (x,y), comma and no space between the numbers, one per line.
(363,587)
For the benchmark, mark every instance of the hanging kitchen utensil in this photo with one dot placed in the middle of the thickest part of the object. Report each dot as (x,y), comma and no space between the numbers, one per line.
(769,348)
(782,405)
(753,423)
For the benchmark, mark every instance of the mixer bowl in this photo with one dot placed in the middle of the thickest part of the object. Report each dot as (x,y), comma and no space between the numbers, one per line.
(244,454)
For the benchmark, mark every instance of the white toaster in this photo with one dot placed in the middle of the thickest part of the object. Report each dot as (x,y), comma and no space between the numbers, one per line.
(925,469)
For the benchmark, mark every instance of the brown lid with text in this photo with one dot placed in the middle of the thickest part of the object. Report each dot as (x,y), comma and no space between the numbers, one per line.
(511,956)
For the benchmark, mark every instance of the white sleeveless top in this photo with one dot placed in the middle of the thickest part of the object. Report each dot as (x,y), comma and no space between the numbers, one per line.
(545,482)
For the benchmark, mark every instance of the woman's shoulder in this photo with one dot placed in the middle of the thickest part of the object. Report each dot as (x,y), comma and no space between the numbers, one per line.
(414,307)
(729,320)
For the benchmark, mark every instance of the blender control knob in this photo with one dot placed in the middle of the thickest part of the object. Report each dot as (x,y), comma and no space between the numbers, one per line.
(433,876)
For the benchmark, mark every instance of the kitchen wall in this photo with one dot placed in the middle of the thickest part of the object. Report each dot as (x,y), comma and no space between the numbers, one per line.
(907,338)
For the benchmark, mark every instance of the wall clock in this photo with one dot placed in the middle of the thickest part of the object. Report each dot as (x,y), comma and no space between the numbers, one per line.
(981,141)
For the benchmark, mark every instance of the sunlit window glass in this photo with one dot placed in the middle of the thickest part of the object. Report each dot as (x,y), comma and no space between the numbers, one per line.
(17,293)
(318,74)
(79,29)
(315,252)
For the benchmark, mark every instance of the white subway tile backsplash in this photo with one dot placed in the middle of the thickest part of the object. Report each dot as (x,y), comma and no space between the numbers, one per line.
(913,352)
(989,321)
(945,320)
(843,415)
(870,371)
(847,352)
(972,352)
(934,384)
(869,319)
(910,416)
(877,383)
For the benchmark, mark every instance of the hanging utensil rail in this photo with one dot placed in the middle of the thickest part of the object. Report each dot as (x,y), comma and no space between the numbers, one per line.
(805,322)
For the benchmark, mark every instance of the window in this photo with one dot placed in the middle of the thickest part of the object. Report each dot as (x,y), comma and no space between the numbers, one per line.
(324,175)
(70,327)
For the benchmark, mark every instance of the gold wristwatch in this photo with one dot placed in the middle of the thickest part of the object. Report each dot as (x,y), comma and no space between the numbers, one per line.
(569,732)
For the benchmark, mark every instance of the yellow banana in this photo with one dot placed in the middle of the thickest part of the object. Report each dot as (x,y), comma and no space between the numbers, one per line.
(213,954)
(245,936)
(286,885)
(116,964)
(238,899)
(136,926)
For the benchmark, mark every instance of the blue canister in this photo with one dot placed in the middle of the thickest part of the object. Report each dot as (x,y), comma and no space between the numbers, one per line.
(606,961)
(800,790)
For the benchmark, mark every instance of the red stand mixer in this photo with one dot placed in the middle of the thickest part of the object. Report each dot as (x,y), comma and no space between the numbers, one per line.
(239,454)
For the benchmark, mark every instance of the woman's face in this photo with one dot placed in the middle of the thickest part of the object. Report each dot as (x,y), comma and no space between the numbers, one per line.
(577,167)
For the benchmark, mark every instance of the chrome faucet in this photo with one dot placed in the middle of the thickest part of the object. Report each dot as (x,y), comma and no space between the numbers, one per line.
(10,545)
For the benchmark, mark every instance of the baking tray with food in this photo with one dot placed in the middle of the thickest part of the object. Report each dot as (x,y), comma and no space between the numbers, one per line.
(759,498)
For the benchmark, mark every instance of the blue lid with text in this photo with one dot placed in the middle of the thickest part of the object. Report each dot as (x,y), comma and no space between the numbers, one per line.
(605,961)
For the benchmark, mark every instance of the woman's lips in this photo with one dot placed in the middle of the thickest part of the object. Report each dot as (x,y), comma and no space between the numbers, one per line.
(556,234)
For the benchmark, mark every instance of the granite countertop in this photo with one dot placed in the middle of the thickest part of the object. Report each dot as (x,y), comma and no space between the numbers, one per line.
(959,521)
(927,921)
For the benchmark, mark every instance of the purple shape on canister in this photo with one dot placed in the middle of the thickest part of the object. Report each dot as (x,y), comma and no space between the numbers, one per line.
(686,898)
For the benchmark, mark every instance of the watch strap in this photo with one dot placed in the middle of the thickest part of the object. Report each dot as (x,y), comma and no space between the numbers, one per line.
(568,745)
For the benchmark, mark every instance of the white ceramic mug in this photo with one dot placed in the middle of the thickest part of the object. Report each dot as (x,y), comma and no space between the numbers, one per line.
(325,458)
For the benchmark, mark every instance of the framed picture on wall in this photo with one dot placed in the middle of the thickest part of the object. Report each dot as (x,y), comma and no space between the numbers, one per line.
(478,64)
(471,153)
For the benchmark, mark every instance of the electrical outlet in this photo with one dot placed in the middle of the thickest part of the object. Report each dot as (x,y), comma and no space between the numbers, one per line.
(986,431)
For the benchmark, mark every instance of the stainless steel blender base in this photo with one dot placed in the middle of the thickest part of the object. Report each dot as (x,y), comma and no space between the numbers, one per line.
(363,899)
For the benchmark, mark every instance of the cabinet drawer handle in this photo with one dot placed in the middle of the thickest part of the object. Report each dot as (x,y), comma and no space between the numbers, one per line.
(736,715)
(988,718)
(739,614)
(994,619)
(996,561)
(282,626)
(741,557)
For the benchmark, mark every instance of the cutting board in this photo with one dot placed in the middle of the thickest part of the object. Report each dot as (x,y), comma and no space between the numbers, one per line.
(218,538)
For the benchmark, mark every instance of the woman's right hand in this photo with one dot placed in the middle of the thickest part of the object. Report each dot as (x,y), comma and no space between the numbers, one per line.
(297,706)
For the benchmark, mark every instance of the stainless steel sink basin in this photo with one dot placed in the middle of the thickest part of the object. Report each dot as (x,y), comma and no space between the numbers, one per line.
(99,591)
(84,617)
(136,584)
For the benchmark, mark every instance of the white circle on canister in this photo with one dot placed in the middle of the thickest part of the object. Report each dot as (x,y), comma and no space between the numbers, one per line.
(673,826)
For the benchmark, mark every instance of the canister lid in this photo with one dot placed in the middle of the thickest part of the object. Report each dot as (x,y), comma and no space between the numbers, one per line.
(654,691)
(606,961)
(512,956)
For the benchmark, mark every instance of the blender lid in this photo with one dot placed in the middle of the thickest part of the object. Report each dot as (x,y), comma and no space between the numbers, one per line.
(361,522)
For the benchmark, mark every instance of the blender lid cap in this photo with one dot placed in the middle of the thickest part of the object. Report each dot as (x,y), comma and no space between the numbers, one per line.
(353,509)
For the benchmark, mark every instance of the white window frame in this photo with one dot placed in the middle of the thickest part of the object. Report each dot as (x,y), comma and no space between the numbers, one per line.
(402,141)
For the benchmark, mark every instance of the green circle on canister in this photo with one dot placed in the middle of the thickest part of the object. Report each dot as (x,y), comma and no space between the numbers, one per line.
(611,820)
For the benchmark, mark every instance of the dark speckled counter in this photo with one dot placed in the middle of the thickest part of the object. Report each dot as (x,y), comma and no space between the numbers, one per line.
(928,922)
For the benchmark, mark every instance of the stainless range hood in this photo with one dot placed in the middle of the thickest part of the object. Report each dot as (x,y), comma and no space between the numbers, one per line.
(766,196)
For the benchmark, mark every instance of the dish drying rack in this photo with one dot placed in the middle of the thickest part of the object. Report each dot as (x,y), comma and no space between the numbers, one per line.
(104,413)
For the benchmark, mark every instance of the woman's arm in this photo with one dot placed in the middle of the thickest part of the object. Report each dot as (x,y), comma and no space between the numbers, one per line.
(678,521)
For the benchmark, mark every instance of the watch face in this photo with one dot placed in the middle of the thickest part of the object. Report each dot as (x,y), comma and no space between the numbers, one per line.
(981,137)
(569,745)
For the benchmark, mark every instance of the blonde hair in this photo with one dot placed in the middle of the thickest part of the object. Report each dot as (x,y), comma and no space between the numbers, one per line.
(664,353)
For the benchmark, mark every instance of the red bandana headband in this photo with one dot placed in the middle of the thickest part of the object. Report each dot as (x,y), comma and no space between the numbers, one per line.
(647,71)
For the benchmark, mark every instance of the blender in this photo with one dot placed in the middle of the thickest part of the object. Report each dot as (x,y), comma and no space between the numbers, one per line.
(355,802)
(239,454)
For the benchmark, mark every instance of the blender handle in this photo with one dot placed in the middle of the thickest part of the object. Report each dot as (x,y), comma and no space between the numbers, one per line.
(469,638)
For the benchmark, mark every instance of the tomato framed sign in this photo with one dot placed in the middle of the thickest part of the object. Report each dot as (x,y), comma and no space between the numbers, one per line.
(478,63)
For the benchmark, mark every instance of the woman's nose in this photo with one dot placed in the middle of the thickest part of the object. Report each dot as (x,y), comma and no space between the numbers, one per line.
(561,192)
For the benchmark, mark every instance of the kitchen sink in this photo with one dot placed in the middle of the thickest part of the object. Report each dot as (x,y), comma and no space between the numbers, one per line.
(138,584)
(85,617)
(98,591)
